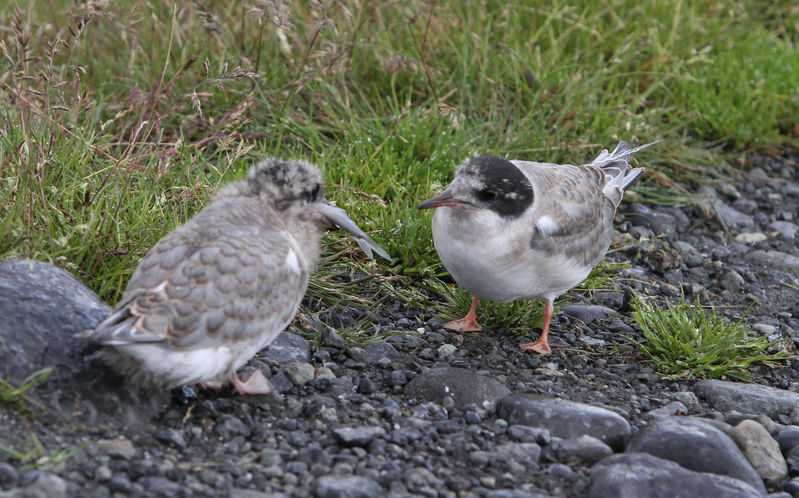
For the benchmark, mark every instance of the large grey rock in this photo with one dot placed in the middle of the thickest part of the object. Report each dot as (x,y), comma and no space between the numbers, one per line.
(464,386)
(516,493)
(358,436)
(346,487)
(117,447)
(380,350)
(731,280)
(300,373)
(726,396)
(790,189)
(775,259)
(505,453)
(588,313)
(762,451)
(785,228)
(528,434)
(44,485)
(288,347)
(696,446)
(690,254)
(8,475)
(518,451)
(42,307)
(661,223)
(667,410)
(788,438)
(330,338)
(161,486)
(635,475)
(253,493)
(732,218)
(565,419)
(792,459)
(583,448)
(682,221)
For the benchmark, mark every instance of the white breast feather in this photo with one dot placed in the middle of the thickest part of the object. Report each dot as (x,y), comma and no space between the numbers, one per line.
(499,265)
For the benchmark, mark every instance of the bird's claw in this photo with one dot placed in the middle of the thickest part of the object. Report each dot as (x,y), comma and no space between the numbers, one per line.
(255,383)
(539,347)
(465,324)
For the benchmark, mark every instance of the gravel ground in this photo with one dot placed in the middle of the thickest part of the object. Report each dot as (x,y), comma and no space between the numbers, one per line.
(428,412)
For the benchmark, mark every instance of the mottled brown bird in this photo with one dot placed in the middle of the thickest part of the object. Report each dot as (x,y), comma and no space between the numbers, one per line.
(222,286)
(509,229)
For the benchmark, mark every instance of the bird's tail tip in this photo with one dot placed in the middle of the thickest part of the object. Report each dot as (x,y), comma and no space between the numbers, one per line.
(623,148)
(631,177)
(623,151)
(616,164)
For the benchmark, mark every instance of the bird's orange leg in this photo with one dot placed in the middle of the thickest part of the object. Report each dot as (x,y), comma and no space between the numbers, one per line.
(541,346)
(468,323)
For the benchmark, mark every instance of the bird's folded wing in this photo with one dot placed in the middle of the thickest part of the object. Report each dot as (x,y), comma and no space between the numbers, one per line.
(194,291)
(571,215)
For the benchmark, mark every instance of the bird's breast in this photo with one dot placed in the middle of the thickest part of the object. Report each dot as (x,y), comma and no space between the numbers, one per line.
(493,259)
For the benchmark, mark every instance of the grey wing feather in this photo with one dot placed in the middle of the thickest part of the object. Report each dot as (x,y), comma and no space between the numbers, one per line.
(244,300)
(580,202)
(572,197)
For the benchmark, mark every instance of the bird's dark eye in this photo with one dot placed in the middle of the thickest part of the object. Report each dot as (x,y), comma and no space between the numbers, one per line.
(486,195)
(313,194)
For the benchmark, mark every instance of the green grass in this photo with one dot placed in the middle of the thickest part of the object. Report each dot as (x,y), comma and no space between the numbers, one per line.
(16,395)
(117,123)
(34,454)
(686,341)
(521,314)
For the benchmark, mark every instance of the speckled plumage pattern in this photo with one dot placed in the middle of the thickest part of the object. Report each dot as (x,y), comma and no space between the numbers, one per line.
(509,229)
(219,288)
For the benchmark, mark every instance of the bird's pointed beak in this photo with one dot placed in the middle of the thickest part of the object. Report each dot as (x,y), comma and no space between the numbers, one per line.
(339,217)
(445,198)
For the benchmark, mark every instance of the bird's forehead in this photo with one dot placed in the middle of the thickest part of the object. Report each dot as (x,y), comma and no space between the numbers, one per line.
(491,171)
(285,175)
(289,172)
(471,180)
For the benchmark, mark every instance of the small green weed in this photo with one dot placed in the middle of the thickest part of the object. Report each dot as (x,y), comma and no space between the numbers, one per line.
(686,341)
(34,454)
(15,395)
(602,276)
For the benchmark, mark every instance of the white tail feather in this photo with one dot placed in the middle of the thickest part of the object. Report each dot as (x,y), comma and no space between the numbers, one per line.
(615,164)
(622,149)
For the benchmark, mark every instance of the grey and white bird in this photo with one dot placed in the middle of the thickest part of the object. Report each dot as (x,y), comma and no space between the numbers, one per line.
(510,229)
(219,288)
